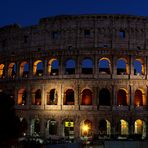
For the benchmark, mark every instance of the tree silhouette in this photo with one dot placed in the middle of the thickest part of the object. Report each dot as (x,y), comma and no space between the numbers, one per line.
(9,123)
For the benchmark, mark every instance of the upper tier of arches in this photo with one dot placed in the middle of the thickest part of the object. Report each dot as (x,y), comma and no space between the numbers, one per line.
(106,65)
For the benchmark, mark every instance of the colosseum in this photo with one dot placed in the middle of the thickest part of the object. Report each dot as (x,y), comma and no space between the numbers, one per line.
(78,75)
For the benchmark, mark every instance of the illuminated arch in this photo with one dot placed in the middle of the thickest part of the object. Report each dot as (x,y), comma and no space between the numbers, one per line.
(70,66)
(104,66)
(38,68)
(35,127)
(124,130)
(86,97)
(86,128)
(36,97)
(22,97)
(52,127)
(53,66)
(122,97)
(24,69)
(139,98)
(140,128)
(12,70)
(2,70)
(52,97)
(104,127)
(87,66)
(104,97)
(68,128)
(23,126)
(122,67)
(69,97)
(139,67)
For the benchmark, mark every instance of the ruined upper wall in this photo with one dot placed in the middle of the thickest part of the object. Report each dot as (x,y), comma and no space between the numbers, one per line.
(78,31)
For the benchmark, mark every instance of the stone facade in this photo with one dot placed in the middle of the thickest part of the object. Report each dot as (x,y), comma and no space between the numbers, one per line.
(53,55)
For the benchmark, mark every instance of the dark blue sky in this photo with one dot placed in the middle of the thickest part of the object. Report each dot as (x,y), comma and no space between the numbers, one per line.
(28,12)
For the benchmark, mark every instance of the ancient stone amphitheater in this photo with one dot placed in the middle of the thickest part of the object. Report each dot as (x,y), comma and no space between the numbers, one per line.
(78,75)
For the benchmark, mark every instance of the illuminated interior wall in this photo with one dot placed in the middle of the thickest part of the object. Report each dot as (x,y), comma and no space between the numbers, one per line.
(122,97)
(1,70)
(86,97)
(69,97)
(124,127)
(86,128)
(11,69)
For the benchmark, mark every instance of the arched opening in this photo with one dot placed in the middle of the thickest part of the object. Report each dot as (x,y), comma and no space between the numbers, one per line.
(124,131)
(104,66)
(122,97)
(86,128)
(70,67)
(86,97)
(24,69)
(69,128)
(36,97)
(35,127)
(22,97)
(53,67)
(52,97)
(138,99)
(140,128)
(122,67)
(87,66)
(104,97)
(52,127)
(12,70)
(69,97)
(2,71)
(104,127)
(38,68)
(23,126)
(138,67)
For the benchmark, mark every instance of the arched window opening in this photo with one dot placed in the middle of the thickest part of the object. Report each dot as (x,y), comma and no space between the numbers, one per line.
(69,129)
(12,70)
(138,100)
(22,97)
(53,67)
(122,97)
(38,68)
(140,128)
(70,67)
(122,34)
(52,97)
(86,128)
(87,66)
(23,126)
(104,66)
(35,127)
(36,97)
(124,128)
(24,69)
(69,97)
(104,97)
(52,129)
(138,67)
(122,67)
(104,127)
(2,71)
(86,97)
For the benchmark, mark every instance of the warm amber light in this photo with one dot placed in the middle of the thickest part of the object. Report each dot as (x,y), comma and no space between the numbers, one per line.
(85,128)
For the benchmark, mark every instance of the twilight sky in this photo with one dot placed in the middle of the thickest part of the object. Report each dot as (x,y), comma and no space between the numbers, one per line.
(28,12)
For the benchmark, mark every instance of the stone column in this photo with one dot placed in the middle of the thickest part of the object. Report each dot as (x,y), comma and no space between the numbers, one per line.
(17,70)
(45,68)
(30,68)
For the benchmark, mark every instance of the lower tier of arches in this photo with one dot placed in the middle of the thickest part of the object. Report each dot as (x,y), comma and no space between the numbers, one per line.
(83,124)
